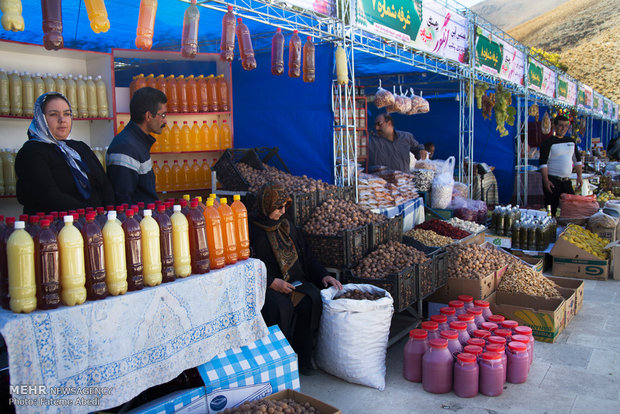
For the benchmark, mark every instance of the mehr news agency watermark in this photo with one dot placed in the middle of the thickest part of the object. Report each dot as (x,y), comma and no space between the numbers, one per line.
(41,395)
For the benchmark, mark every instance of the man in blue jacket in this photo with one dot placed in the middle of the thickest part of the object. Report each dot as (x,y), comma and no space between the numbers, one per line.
(128,160)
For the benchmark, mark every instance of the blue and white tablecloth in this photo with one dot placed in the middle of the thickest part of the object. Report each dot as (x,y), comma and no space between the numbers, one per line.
(103,353)
(412,210)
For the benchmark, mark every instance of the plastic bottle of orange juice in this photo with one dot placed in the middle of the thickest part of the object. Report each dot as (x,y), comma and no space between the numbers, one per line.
(182,94)
(216,201)
(171,87)
(98,15)
(151,254)
(222,93)
(226,136)
(180,243)
(164,174)
(175,137)
(194,137)
(240,215)
(157,172)
(187,175)
(204,137)
(114,253)
(196,175)
(146,24)
(156,147)
(20,260)
(228,231)
(205,174)
(201,86)
(164,138)
(150,80)
(213,104)
(160,83)
(176,177)
(186,141)
(120,127)
(72,269)
(192,93)
(214,137)
(214,236)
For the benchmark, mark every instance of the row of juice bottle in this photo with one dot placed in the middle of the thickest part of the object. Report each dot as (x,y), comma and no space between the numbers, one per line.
(8,178)
(187,94)
(92,254)
(18,92)
(196,138)
(182,177)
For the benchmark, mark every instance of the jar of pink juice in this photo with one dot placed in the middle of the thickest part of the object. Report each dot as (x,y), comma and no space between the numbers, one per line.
(432,328)
(497,319)
(518,363)
(437,366)
(412,354)
(489,326)
(461,329)
(442,321)
(454,346)
(466,373)
(450,313)
(491,374)
(477,312)
(509,324)
(469,320)
(458,306)
(500,349)
(468,301)
(482,334)
(485,306)
(527,331)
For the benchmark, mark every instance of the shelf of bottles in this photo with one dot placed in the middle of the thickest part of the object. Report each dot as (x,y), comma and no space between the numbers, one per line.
(357,118)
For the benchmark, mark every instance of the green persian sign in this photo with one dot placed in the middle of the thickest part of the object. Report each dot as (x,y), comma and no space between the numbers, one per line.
(562,88)
(489,53)
(581,97)
(595,103)
(535,74)
(398,15)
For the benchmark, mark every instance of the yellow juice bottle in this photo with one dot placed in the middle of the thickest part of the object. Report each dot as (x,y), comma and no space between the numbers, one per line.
(175,137)
(71,91)
(114,252)
(180,243)
(194,137)
(204,137)
(156,147)
(82,100)
(151,254)
(228,231)
(28,97)
(20,261)
(205,174)
(196,175)
(186,142)
(91,97)
(214,137)
(164,174)
(225,135)
(176,177)
(72,267)
(164,140)
(61,85)
(187,175)
(157,172)
(240,214)
(121,126)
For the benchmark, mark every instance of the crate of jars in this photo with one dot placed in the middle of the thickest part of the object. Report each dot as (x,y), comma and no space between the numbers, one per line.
(389,229)
(394,267)
(337,232)
(228,172)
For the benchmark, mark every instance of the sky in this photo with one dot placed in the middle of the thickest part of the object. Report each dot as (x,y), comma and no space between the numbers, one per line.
(469,3)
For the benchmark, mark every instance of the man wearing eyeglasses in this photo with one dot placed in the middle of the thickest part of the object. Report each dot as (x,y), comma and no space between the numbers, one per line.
(128,160)
(391,148)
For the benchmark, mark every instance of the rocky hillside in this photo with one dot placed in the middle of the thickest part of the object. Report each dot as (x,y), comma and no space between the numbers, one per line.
(507,14)
(586,34)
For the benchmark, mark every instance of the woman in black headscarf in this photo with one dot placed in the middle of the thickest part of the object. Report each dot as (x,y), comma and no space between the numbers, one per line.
(294,276)
(55,173)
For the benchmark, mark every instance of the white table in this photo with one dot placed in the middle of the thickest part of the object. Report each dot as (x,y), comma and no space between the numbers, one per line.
(118,347)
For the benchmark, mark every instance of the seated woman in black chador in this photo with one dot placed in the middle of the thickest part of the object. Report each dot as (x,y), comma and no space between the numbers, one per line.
(295,308)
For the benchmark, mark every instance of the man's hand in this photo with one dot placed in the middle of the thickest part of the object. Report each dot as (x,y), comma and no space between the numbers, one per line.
(280,285)
(548,186)
(329,280)
(579,182)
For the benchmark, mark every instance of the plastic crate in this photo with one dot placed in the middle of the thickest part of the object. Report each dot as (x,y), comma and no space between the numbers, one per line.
(270,156)
(427,250)
(302,207)
(347,193)
(378,234)
(429,282)
(395,231)
(341,251)
(403,285)
(440,269)
(337,193)
(227,172)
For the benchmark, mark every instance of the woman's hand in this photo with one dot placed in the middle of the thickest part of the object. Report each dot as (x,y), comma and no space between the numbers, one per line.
(329,280)
(280,285)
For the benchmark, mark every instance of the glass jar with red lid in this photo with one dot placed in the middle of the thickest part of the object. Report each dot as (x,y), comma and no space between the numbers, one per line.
(485,306)
(449,312)
(452,336)
(468,301)
(461,329)
(518,363)
(432,328)
(477,312)
(442,321)
(500,349)
(458,306)
(527,331)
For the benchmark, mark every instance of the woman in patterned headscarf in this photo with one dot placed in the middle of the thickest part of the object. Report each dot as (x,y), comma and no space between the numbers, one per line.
(294,277)
(54,172)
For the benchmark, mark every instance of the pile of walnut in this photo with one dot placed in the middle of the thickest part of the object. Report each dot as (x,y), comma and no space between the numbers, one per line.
(286,406)
(292,184)
(387,259)
(471,261)
(521,278)
(357,294)
(333,216)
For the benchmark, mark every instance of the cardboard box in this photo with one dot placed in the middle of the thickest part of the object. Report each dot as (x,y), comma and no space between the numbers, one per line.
(322,407)
(537,261)
(545,316)
(615,259)
(569,304)
(267,361)
(572,261)
(478,288)
(192,401)
(576,285)
(499,241)
(608,233)
(475,238)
